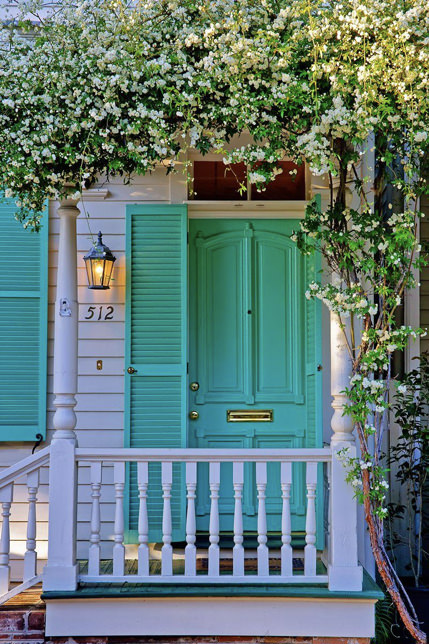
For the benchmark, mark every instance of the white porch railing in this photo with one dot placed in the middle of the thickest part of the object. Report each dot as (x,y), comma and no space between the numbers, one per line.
(65,461)
(98,458)
(28,470)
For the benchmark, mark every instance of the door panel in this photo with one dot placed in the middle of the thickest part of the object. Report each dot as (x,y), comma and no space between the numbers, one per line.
(249,350)
(220,356)
(278,342)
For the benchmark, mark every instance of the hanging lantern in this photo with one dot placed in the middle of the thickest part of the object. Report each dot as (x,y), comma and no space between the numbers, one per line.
(99,265)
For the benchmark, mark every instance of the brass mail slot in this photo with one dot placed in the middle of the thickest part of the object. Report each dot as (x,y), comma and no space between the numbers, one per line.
(249,415)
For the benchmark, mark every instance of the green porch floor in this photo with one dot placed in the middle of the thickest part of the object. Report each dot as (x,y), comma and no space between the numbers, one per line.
(369,591)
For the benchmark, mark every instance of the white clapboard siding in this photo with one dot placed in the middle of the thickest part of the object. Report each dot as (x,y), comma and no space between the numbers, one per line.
(111,366)
(93,384)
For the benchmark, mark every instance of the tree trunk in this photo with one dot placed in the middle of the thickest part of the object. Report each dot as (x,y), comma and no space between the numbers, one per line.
(386,571)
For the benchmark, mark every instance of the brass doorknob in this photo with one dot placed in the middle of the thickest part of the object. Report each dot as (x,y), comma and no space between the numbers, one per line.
(194,386)
(131,370)
(194,415)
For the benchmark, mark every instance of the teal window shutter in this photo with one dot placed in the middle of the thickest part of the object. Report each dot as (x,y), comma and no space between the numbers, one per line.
(156,346)
(23,328)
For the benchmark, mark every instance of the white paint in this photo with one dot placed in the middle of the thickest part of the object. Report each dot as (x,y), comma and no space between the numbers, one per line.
(191,550)
(214,554)
(61,569)
(60,572)
(18,539)
(341,370)
(310,523)
(286,549)
(6,497)
(344,571)
(66,325)
(246,209)
(143,526)
(167,550)
(118,548)
(238,550)
(201,455)
(94,539)
(263,555)
(30,557)
(259,616)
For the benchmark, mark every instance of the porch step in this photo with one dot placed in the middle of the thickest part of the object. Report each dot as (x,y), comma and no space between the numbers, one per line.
(205,613)
(22,618)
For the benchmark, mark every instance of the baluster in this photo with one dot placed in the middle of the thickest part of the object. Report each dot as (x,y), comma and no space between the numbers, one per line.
(143,549)
(238,551)
(167,550)
(190,550)
(286,550)
(214,520)
(6,497)
(328,501)
(30,557)
(94,547)
(263,555)
(118,548)
(310,523)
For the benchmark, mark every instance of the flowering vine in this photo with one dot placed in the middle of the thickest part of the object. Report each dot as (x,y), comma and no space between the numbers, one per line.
(104,87)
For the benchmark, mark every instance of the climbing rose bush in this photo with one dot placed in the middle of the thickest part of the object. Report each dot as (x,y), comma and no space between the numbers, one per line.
(106,87)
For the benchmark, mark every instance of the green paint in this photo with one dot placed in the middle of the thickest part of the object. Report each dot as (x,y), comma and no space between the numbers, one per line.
(254,344)
(370,591)
(23,328)
(156,346)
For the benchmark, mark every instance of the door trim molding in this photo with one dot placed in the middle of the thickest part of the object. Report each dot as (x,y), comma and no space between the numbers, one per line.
(246,209)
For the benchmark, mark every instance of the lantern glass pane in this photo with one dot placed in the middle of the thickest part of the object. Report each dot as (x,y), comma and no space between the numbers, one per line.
(108,266)
(88,271)
(98,271)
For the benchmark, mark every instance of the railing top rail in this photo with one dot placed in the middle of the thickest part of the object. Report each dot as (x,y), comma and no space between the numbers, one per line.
(24,466)
(190,455)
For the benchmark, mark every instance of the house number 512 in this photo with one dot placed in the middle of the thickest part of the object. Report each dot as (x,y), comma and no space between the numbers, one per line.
(104,313)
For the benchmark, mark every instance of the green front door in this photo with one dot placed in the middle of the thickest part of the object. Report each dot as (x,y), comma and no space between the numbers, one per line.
(253,345)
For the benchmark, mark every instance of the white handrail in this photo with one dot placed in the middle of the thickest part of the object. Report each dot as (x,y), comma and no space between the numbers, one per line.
(30,467)
(189,455)
(25,466)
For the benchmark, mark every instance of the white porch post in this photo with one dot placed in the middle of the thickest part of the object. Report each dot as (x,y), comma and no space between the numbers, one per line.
(61,570)
(343,570)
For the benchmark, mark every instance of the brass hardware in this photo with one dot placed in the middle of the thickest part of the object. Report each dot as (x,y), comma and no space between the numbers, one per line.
(249,415)
(131,370)
(194,386)
(319,367)
(194,415)
(99,365)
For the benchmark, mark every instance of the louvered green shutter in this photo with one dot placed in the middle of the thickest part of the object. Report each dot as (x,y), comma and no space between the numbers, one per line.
(23,328)
(156,324)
